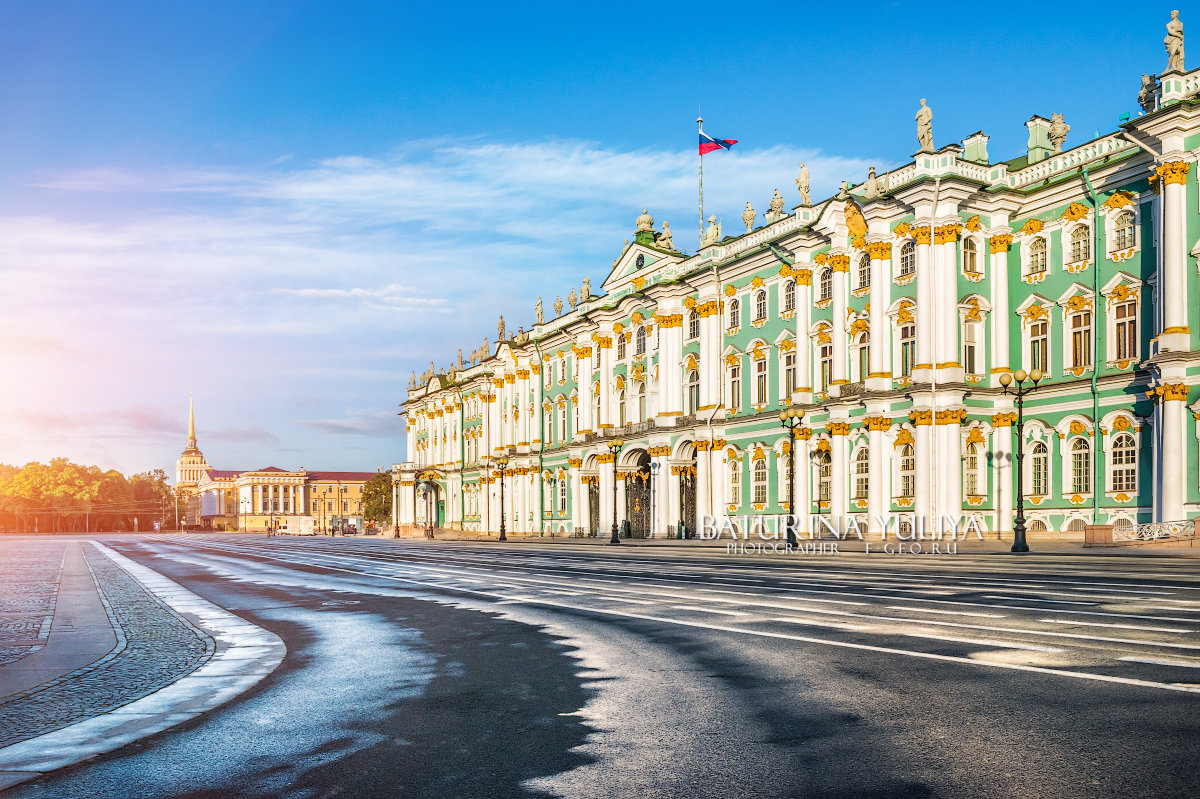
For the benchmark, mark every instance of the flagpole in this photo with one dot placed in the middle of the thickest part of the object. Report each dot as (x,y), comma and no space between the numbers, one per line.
(700,125)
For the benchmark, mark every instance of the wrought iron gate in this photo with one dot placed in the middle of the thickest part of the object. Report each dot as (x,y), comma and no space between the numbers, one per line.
(687,502)
(637,502)
(593,509)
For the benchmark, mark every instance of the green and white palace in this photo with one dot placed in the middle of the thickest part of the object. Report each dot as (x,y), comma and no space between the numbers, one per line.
(888,314)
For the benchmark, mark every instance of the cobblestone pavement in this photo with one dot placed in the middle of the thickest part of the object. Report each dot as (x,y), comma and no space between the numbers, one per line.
(28,587)
(155,647)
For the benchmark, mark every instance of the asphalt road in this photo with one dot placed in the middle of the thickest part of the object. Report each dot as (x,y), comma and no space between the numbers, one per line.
(431,669)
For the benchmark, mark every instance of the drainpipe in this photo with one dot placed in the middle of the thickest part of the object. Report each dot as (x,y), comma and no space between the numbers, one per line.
(462,460)
(541,449)
(1098,448)
(933,473)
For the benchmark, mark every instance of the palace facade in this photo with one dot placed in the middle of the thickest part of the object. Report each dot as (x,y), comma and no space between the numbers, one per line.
(887,314)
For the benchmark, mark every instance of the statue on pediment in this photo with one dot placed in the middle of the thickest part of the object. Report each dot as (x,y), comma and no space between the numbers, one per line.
(713,234)
(645,223)
(924,120)
(802,181)
(1174,43)
(663,242)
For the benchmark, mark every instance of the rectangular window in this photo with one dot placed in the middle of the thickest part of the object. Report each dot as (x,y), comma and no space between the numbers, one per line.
(969,348)
(908,335)
(735,387)
(1038,356)
(826,366)
(315,506)
(789,375)
(760,381)
(1081,339)
(1126,316)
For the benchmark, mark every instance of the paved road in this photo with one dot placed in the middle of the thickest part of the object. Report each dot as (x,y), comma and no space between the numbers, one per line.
(473,670)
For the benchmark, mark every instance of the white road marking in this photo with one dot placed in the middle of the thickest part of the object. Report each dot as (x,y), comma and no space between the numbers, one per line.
(1119,626)
(696,609)
(1160,662)
(948,612)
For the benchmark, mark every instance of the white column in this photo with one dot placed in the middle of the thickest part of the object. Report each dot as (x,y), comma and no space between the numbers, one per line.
(1172,468)
(705,505)
(605,514)
(946,283)
(998,244)
(1172,284)
(803,480)
(923,504)
(1003,477)
(950,476)
(670,373)
(607,414)
(878,504)
(840,265)
(879,371)
(712,372)
(925,305)
(803,342)
(669,494)
(839,493)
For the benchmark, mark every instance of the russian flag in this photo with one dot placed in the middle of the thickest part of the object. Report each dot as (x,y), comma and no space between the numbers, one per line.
(708,143)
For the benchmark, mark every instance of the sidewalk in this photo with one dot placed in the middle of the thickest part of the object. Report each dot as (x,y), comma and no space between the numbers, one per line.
(966,546)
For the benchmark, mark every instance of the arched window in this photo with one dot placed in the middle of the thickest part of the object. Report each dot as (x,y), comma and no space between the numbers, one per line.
(971,470)
(693,325)
(864,272)
(789,296)
(620,346)
(640,388)
(735,314)
(1081,248)
(908,258)
(693,384)
(1038,526)
(1124,463)
(826,284)
(760,481)
(970,256)
(562,496)
(1039,470)
(908,471)
(641,341)
(824,477)
(760,305)
(735,481)
(863,343)
(1123,231)
(1037,256)
(1081,466)
(563,434)
(862,472)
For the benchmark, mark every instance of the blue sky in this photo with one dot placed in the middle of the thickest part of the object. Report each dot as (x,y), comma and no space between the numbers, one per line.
(285,207)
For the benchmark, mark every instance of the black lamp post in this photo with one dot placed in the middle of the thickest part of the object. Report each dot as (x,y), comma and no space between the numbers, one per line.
(614,447)
(501,462)
(1020,391)
(790,419)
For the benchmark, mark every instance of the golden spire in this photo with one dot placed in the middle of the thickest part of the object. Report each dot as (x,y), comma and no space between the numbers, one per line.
(191,442)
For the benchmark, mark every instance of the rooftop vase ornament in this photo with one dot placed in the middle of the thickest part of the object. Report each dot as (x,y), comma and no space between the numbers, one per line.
(925,127)
(558,306)
(1058,131)
(802,183)
(776,212)
(1174,43)
(748,217)
(572,299)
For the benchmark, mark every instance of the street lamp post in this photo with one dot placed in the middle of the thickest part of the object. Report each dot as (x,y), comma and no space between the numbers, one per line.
(791,419)
(1020,391)
(501,462)
(614,447)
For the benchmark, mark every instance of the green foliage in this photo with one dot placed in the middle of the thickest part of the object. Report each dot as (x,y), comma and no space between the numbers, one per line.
(377,499)
(62,496)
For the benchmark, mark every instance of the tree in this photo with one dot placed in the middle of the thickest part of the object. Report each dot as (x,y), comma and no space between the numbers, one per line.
(377,498)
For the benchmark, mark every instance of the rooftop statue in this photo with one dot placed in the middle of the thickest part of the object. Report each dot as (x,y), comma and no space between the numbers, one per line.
(1146,95)
(1174,43)
(460,362)
(1058,131)
(586,294)
(843,191)
(645,223)
(500,330)
(925,127)
(871,188)
(664,239)
(558,306)
(802,185)
(748,216)
(713,234)
(537,312)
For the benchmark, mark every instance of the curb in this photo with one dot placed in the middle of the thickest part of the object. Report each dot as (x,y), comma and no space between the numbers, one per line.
(245,654)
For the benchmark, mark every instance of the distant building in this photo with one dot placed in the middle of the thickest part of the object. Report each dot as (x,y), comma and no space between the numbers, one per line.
(190,469)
